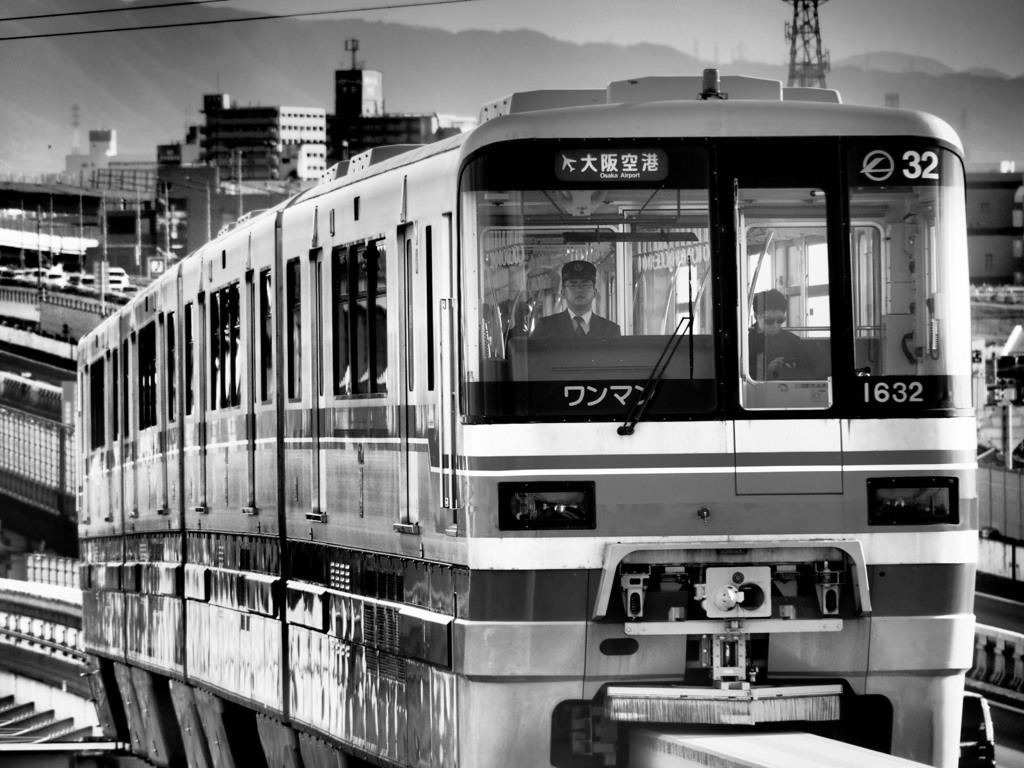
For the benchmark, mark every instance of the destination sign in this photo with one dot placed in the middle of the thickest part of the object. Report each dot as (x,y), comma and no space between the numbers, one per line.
(611,165)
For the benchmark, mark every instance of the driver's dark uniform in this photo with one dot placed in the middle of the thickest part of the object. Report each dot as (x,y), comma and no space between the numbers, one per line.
(763,349)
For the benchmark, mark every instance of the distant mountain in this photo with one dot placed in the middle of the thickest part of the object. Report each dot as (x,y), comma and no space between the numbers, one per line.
(889,61)
(148,85)
(987,72)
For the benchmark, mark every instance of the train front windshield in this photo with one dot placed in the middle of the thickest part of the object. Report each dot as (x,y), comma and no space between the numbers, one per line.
(680,288)
(622,240)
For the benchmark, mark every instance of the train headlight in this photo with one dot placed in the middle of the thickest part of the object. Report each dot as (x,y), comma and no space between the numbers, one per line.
(913,501)
(546,505)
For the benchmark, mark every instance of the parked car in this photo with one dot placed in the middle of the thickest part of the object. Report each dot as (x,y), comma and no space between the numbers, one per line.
(30,275)
(117,279)
(55,277)
(977,740)
(81,282)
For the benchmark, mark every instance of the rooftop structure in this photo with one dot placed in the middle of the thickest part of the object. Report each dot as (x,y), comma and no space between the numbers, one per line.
(263,142)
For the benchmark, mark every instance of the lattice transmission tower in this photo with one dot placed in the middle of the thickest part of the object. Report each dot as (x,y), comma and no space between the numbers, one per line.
(807,62)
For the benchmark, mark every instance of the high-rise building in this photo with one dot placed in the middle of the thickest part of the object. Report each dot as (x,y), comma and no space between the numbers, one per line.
(262,143)
(79,166)
(995,227)
(360,121)
(358,93)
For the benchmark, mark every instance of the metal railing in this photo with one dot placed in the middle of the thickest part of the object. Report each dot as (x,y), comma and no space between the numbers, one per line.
(44,619)
(53,570)
(998,294)
(31,396)
(37,464)
(42,650)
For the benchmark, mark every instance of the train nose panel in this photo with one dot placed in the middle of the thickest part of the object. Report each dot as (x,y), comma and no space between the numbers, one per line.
(792,456)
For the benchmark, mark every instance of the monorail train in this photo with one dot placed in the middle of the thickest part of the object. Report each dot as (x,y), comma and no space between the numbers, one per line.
(342,502)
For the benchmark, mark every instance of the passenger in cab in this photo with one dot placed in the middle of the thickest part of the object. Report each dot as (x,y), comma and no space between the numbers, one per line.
(774,352)
(579,290)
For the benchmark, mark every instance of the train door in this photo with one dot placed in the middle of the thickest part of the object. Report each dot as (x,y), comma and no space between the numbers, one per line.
(410,320)
(447,355)
(265,419)
(315,375)
(250,319)
(129,423)
(165,409)
(151,425)
(188,442)
(296,409)
(172,404)
(788,247)
(114,453)
(195,372)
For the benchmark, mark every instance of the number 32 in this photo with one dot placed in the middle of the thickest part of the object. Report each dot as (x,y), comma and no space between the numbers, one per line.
(921,165)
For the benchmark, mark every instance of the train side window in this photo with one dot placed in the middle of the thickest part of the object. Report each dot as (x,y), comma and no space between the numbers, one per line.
(410,319)
(147,364)
(866,248)
(340,319)
(225,338)
(125,389)
(170,359)
(97,402)
(115,411)
(428,243)
(214,366)
(293,303)
(266,337)
(318,318)
(189,361)
(360,319)
(233,338)
(376,367)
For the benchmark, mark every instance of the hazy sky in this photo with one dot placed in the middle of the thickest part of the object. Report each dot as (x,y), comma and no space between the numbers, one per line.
(963,34)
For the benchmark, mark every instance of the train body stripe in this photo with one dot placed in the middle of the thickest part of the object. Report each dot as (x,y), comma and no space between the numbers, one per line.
(655,464)
(534,468)
(674,461)
(884,548)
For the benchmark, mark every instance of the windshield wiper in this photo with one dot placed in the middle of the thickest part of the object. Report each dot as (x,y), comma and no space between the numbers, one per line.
(636,412)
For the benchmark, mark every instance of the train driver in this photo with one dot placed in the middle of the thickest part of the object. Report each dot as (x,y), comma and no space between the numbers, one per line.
(774,352)
(579,289)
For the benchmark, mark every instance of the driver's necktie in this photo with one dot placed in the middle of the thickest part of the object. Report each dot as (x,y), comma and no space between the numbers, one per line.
(579,326)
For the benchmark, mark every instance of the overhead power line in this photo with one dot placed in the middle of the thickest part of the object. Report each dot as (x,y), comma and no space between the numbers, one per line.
(210,22)
(108,10)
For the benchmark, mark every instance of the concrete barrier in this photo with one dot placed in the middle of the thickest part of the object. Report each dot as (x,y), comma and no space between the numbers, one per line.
(998,557)
(52,569)
(998,668)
